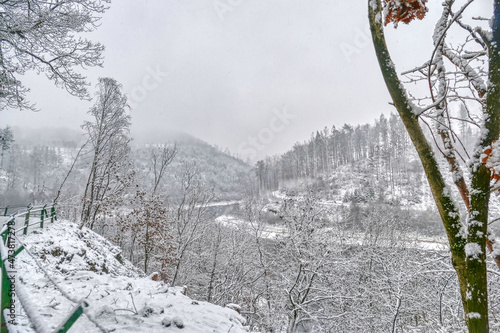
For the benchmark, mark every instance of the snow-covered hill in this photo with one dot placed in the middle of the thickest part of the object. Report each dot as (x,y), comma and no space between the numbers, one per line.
(63,266)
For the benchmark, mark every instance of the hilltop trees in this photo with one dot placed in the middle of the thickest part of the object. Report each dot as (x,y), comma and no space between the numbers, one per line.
(469,76)
(42,36)
(382,149)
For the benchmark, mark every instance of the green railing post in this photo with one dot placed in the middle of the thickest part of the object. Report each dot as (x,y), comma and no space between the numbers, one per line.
(8,273)
(72,318)
(8,279)
(53,214)
(6,210)
(6,300)
(11,222)
(27,220)
(43,213)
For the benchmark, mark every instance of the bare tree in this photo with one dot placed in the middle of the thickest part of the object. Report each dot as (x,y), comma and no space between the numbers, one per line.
(69,172)
(189,214)
(110,172)
(6,139)
(161,157)
(148,224)
(42,36)
(474,85)
(308,252)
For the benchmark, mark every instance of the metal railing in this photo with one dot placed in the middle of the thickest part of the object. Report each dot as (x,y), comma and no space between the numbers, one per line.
(12,207)
(8,253)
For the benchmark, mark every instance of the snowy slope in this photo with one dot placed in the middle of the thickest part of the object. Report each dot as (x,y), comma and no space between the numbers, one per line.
(84,266)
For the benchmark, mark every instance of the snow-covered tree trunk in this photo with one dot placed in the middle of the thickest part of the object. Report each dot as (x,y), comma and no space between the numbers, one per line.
(468,238)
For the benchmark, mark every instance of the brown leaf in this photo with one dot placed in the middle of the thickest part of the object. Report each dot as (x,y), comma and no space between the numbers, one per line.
(404,11)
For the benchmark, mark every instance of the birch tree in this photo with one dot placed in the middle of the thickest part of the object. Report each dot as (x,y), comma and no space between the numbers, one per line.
(110,172)
(476,87)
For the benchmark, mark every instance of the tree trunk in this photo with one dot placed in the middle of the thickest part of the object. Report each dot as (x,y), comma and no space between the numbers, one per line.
(471,270)
(146,248)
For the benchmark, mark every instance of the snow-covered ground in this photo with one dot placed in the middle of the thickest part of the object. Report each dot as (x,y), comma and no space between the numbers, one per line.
(223,203)
(64,266)
(275,231)
(262,230)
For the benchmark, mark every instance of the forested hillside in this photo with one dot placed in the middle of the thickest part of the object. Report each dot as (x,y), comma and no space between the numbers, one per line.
(228,176)
(354,163)
(33,170)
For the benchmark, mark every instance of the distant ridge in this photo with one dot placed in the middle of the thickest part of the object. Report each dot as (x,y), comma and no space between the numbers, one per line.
(47,134)
(54,134)
(163,135)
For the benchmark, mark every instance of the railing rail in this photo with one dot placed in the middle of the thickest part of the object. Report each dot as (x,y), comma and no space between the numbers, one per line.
(5,210)
(8,252)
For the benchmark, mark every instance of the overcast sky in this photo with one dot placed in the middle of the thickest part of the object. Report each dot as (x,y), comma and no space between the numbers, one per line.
(254,76)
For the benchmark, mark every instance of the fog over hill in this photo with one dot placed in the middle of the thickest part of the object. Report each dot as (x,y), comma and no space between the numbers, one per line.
(47,134)
(54,134)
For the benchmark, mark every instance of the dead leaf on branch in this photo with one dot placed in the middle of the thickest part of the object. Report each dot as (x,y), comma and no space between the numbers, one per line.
(404,11)
(491,160)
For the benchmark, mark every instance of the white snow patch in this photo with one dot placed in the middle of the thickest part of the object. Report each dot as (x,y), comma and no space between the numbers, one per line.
(474,315)
(473,250)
